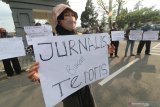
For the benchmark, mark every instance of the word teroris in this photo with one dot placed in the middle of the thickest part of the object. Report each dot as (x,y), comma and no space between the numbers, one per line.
(72,47)
(88,76)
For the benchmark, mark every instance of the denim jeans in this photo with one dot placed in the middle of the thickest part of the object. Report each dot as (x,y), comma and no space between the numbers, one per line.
(129,42)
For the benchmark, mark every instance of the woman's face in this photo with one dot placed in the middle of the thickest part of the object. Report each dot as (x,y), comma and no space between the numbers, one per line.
(69,21)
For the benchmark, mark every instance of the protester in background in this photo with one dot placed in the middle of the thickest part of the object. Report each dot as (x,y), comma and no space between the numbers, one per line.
(65,23)
(10,64)
(114,44)
(142,43)
(129,42)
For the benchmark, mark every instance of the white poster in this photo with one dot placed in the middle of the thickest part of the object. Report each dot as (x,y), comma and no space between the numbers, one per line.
(11,47)
(107,36)
(34,38)
(135,34)
(150,35)
(37,29)
(68,63)
(117,35)
(35,33)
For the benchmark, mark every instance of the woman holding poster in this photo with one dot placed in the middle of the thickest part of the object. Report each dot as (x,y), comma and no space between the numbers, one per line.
(64,19)
(114,44)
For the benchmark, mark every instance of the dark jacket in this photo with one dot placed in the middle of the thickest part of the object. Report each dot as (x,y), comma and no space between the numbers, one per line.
(146,27)
(128,31)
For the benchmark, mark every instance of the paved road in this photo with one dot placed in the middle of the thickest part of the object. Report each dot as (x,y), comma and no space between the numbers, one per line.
(136,85)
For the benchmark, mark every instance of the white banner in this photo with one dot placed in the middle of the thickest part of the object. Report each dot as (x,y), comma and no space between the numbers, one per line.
(135,34)
(68,63)
(34,38)
(11,47)
(36,33)
(150,35)
(37,29)
(117,35)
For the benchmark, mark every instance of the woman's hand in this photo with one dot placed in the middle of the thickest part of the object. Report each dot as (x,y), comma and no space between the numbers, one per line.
(33,72)
(111,49)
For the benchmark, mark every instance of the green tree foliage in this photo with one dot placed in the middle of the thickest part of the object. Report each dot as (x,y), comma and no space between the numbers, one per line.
(103,23)
(120,4)
(121,18)
(108,7)
(89,16)
(138,16)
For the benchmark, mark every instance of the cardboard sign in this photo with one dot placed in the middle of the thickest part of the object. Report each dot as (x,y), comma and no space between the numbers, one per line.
(150,35)
(135,34)
(68,63)
(117,35)
(11,47)
(36,33)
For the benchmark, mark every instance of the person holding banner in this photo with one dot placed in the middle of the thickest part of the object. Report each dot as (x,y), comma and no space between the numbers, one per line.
(64,19)
(11,64)
(129,42)
(114,44)
(142,42)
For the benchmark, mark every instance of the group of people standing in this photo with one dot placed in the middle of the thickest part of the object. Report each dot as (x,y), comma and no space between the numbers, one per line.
(130,43)
(64,19)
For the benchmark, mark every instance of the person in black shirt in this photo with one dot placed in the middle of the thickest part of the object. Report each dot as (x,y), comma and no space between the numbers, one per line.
(142,43)
(114,44)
